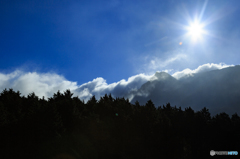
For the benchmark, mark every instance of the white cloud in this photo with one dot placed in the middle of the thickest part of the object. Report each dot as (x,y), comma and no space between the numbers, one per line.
(99,87)
(166,70)
(42,84)
(46,84)
(202,68)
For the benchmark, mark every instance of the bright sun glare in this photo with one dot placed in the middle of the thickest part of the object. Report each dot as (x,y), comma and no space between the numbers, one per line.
(195,30)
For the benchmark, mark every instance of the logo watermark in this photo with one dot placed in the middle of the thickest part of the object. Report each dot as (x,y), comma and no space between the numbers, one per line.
(212,153)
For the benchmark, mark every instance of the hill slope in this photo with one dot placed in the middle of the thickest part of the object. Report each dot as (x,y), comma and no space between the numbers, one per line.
(218,90)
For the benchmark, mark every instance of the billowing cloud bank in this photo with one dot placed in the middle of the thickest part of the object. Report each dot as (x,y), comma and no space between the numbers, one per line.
(202,68)
(42,84)
(46,84)
(99,87)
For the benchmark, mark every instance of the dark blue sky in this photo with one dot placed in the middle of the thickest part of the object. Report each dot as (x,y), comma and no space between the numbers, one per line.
(115,39)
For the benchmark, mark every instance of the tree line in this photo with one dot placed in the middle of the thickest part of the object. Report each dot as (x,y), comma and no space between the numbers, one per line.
(64,126)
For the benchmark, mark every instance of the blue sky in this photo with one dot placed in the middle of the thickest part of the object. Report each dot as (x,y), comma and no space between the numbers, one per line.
(111,41)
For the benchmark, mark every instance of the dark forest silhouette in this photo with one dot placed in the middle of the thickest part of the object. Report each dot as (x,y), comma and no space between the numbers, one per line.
(63,125)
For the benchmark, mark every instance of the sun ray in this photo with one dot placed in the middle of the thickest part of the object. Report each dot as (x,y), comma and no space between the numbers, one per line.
(203,10)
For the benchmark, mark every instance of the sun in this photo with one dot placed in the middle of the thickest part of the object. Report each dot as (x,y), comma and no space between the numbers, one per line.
(195,30)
